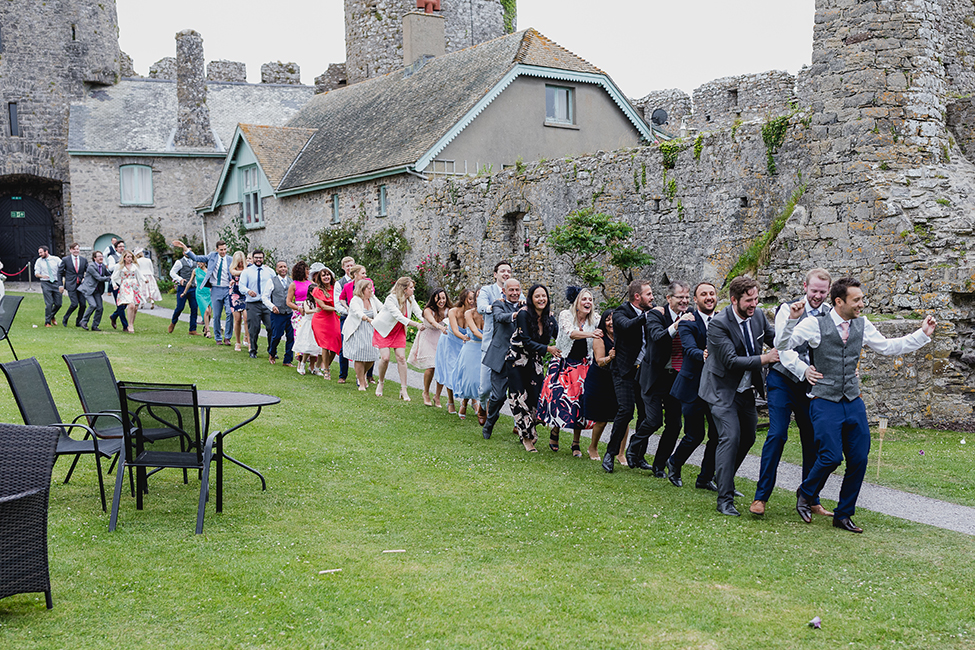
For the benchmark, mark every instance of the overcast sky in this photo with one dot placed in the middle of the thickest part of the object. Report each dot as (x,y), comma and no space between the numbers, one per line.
(644,45)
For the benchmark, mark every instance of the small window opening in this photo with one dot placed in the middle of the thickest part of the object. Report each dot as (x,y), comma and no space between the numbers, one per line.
(707,118)
(335,209)
(743,202)
(382,201)
(14,123)
(514,230)
(656,205)
(733,97)
(74,33)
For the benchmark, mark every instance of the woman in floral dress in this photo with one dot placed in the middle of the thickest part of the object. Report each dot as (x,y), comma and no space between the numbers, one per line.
(128,280)
(237,266)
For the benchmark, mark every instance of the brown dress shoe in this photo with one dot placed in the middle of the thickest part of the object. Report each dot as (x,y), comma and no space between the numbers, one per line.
(757,508)
(820,510)
(172,326)
(481,415)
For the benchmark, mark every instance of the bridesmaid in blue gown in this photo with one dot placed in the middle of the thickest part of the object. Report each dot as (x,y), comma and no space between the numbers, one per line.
(449,346)
(467,381)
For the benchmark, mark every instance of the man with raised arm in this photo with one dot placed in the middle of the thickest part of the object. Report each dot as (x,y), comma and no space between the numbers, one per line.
(486,298)
(218,279)
(838,415)
(787,395)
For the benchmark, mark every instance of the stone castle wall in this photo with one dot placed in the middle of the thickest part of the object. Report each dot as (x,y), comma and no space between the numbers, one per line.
(676,102)
(227,71)
(276,72)
(722,102)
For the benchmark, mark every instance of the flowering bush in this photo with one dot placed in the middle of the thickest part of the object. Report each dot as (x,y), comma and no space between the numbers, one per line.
(433,273)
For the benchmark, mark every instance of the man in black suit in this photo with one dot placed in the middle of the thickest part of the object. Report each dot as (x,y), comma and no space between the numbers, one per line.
(92,288)
(72,274)
(662,360)
(503,312)
(694,341)
(629,323)
(732,375)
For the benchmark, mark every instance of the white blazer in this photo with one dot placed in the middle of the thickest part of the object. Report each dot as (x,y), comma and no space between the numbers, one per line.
(356,311)
(568,324)
(390,314)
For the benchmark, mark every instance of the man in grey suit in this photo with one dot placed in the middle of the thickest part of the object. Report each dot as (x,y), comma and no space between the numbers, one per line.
(503,313)
(92,288)
(732,375)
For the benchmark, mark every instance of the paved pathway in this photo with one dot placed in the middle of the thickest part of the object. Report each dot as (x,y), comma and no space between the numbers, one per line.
(895,503)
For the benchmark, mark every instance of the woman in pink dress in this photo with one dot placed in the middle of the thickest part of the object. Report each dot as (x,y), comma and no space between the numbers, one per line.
(423,354)
(297,300)
(325,323)
(391,324)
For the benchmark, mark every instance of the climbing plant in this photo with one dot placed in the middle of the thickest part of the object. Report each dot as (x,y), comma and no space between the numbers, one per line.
(670,151)
(773,135)
(757,252)
(594,241)
(510,12)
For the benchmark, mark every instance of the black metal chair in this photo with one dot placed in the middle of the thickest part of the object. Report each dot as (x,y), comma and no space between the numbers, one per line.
(147,406)
(97,389)
(8,310)
(37,408)
(26,463)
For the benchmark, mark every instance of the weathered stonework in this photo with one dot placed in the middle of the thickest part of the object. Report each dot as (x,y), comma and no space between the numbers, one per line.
(331,79)
(223,70)
(164,68)
(126,68)
(676,102)
(276,72)
(193,115)
(722,102)
(374,31)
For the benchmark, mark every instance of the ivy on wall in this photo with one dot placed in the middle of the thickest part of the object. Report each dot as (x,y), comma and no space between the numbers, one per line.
(773,135)
(510,13)
(757,253)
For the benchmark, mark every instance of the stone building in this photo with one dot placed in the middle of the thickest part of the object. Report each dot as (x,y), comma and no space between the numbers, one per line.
(50,54)
(366,152)
(154,148)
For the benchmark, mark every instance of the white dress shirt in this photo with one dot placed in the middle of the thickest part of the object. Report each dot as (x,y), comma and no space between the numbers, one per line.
(47,266)
(790,358)
(807,331)
(247,281)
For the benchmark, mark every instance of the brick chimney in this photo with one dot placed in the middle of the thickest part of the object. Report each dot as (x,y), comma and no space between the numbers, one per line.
(192,115)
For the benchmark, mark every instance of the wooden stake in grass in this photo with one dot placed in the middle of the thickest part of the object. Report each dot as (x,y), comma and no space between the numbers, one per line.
(882,424)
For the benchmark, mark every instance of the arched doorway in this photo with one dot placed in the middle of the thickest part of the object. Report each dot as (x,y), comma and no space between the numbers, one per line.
(103,242)
(25,224)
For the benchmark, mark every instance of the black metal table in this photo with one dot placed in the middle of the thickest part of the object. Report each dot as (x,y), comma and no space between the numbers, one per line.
(218,399)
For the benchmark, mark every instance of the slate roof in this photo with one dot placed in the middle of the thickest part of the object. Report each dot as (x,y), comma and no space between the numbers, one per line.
(139,115)
(276,147)
(392,121)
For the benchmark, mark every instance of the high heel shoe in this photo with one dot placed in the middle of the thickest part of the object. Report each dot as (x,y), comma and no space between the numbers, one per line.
(451,408)
(403,395)
(436,402)
(379,389)
(236,347)
(426,399)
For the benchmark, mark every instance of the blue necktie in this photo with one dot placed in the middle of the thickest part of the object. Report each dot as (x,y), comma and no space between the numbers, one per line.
(219,271)
(747,335)
(258,280)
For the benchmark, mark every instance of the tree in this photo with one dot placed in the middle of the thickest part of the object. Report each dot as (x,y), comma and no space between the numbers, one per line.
(594,241)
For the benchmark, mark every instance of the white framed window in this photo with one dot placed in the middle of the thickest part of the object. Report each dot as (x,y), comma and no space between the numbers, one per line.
(336,218)
(135,184)
(250,199)
(442,167)
(382,201)
(559,105)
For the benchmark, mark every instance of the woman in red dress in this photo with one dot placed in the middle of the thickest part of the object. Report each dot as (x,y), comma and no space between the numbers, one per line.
(325,323)
(390,325)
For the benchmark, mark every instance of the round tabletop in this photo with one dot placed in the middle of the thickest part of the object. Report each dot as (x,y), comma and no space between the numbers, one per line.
(214,399)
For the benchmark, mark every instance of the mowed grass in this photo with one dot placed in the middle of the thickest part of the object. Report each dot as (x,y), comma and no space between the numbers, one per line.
(501,549)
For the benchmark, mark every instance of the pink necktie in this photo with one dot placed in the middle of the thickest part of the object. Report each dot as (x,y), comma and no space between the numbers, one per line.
(76,265)
(845,331)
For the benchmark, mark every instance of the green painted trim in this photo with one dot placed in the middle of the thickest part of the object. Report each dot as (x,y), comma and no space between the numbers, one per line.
(150,154)
(348,180)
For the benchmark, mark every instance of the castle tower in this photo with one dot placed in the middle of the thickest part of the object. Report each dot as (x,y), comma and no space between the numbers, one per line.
(49,53)
(374,30)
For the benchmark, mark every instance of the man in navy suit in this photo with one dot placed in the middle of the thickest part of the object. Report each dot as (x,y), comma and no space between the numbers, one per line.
(629,323)
(503,312)
(732,377)
(662,361)
(694,341)
(218,279)
(72,273)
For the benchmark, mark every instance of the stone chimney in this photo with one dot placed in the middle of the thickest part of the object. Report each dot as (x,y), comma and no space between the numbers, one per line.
(423,35)
(193,115)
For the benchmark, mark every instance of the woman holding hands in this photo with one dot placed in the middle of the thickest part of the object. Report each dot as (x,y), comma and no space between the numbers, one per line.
(423,354)
(358,330)
(391,323)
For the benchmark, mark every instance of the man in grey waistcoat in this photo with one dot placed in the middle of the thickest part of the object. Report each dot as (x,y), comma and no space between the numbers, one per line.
(183,274)
(274,295)
(503,316)
(838,415)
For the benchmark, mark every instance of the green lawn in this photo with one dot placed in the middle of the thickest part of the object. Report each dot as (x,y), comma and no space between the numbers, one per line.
(502,549)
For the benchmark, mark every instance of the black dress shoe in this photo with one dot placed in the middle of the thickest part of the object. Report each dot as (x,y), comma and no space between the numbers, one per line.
(709,485)
(659,472)
(846,524)
(96,329)
(803,507)
(673,475)
(608,462)
(728,509)
(253,355)
(633,463)
(486,432)
(84,327)
(738,494)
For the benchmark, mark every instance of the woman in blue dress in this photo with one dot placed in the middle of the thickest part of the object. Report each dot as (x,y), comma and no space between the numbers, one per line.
(450,344)
(467,379)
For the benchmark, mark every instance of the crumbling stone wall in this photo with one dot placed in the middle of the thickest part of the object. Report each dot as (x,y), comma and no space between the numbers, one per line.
(229,71)
(164,68)
(192,112)
(331,79)
(676,102)
(276,72)
(126,67)
(722,102)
